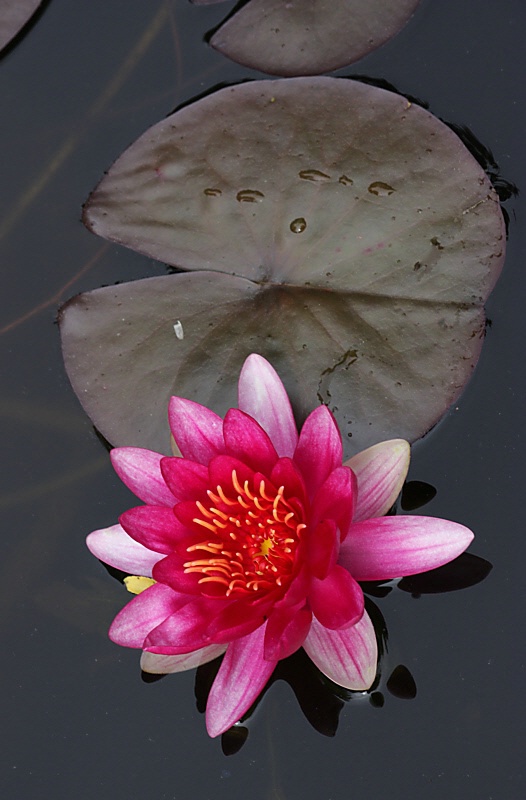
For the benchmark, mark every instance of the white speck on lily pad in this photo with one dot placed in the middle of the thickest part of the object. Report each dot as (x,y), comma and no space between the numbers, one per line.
(178,328)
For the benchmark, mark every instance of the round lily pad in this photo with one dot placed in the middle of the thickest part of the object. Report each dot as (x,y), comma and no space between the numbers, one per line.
(308,37)
(353,241)
(13,16)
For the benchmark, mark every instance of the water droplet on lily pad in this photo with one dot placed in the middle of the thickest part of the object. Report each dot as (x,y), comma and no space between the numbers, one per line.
(249,196)
(314,175)
(298,225)
(380,189)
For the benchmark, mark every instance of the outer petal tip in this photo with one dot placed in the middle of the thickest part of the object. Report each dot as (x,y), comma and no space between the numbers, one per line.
(261,394)
(348,656)
(197,431)
(380,472)
(392,547)
(113,546)
(241,677)
(139,470)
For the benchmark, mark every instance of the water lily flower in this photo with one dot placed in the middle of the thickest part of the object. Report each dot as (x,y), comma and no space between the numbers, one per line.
(255,540)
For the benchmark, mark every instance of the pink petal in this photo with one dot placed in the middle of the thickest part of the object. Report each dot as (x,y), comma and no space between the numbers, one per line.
(321,548)
(221,470)
(187,479)
(132,625)
(197,431)
(319,449)
(245,439)
(171,572)
(156,664)
(140,471)
(156,527)
(241,677)
(380,471)
(299,587)
(336,499)
(181,632)
(116,548)
(347,656)
(286,631)
(336,601)
(238,618)
(390,547)
(286,473)
(262,395)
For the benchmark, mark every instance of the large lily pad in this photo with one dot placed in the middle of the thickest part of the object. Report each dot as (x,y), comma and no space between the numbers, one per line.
(308,37)
(13,16)
(357,250)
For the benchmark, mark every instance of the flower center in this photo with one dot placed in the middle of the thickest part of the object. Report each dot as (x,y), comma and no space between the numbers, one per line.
(251,542)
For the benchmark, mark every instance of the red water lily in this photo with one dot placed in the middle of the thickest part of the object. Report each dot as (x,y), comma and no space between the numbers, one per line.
(255,539)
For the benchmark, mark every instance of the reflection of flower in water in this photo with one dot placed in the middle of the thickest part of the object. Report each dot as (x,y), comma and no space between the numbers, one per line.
(254,542)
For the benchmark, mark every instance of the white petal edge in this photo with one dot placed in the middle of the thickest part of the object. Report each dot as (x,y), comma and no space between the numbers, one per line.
(380,471)
(347,656)
(113,546)
(164,665)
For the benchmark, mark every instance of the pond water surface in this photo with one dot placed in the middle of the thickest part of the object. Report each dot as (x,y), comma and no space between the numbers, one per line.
(80,85)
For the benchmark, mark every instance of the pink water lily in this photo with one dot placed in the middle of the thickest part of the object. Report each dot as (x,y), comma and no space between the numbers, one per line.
(256,539)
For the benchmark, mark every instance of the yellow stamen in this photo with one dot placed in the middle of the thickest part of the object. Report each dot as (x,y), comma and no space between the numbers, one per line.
(205,524)
(224,498)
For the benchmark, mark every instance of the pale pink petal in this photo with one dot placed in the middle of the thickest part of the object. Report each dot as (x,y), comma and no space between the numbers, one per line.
(337,601)
(156,664)
(114,547)
(347,656)
(241,677)
(146,611)
(197,431)
(262,395)
(140,471)
(380,471)
(391,547)
(319,449)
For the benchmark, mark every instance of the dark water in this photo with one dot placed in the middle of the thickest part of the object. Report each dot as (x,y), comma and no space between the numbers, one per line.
(82,84)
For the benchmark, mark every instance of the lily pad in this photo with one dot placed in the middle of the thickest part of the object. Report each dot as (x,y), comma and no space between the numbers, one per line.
(308,37)
(13,16)
(354,250)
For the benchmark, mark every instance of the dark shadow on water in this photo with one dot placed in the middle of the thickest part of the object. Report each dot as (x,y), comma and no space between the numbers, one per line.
(416,494)
(465,571)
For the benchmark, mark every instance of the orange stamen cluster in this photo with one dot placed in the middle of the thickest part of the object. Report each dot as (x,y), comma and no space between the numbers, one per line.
(252,539)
